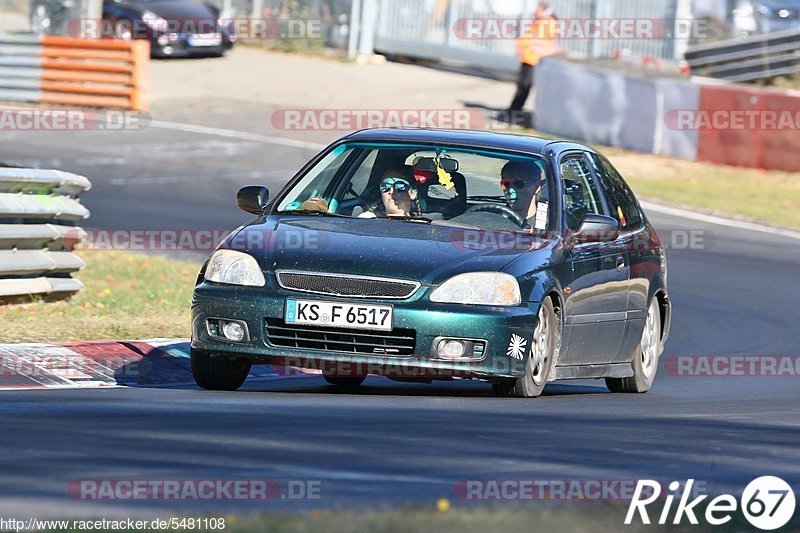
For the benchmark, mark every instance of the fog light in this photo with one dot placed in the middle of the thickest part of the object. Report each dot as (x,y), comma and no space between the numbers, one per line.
(233,331)
(451,349)
(162,40)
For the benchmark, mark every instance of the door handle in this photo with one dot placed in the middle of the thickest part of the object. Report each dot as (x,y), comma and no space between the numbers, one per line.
(620,263)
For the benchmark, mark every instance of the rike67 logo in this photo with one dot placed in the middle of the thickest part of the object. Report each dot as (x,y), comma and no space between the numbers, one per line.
(768,503)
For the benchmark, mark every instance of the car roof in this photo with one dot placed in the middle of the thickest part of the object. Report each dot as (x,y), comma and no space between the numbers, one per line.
(472,138)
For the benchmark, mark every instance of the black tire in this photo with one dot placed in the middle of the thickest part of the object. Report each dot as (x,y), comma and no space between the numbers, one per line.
(644,366)
(532,384)
(219,373)
(347,383)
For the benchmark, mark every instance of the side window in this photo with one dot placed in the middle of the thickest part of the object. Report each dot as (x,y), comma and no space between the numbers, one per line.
(580,190)
(621,199)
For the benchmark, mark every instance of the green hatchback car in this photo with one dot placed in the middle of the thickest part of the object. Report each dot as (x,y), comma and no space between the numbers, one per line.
(432,254)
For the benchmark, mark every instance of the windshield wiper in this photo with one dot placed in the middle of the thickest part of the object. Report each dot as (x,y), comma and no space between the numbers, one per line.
(423,220)
(311,212)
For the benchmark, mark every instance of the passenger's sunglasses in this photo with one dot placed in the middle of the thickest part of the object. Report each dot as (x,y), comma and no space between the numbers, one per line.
(518,184)
(400,185)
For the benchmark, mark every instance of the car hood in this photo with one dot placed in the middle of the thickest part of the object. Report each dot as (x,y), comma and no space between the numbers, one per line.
(404,250)
(175,9)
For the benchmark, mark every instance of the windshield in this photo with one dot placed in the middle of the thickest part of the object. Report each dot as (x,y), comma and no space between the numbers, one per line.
(422,183)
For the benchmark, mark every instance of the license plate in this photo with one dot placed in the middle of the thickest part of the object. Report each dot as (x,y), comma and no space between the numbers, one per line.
(339,314)
(205,39)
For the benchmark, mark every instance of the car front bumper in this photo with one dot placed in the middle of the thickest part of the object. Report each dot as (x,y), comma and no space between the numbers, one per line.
(180,47)
(496,326)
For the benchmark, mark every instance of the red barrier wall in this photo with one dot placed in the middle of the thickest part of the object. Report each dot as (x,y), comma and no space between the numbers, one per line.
(770,145)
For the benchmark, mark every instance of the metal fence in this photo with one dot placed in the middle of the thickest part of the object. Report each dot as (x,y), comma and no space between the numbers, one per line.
(742,60)
(39,213)
(425,28)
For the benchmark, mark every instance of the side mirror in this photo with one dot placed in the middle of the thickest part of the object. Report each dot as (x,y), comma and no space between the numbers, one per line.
(597,228)
(253,199)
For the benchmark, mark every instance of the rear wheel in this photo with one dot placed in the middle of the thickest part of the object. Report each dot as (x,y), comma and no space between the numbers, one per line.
(218,372)
(541,358)
(645,364)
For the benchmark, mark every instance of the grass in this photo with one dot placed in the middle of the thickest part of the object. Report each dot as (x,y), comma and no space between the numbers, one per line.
(782,82)
(567,517)
(127,296)
(765,196)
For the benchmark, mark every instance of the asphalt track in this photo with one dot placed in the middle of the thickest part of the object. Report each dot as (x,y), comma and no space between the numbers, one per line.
(394,443)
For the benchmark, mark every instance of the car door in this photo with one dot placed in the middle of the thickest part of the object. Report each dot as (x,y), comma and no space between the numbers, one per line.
(596,296)
(635,242)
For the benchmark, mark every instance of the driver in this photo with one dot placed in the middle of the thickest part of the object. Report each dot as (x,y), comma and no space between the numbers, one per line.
(399,197)
(521,182)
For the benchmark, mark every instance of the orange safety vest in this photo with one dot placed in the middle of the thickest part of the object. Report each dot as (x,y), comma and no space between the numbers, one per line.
(538,40)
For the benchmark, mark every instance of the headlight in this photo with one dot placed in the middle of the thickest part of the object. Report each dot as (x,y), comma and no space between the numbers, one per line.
(479,288)
(154,21)
(234,268)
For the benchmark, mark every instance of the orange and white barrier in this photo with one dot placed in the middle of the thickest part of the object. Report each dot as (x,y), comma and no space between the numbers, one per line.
(75,72)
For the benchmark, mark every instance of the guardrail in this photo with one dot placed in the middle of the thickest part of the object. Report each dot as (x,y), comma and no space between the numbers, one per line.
(750,59)
(82,72)
(39,213)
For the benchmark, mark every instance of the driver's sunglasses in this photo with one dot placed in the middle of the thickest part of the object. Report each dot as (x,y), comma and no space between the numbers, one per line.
(517,183)
(400,185)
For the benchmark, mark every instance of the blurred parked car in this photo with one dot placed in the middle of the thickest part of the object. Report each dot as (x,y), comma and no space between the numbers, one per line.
(764,16)
(175,28)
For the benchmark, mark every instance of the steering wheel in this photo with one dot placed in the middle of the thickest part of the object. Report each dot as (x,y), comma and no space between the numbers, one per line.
(500,209)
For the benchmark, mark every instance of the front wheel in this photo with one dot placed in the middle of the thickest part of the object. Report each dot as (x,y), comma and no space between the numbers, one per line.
(645,364)
(543,346)
(218,372)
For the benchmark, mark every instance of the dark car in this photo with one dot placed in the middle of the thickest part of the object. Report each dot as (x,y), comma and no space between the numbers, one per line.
(175,28)
(764,16)
(433,254)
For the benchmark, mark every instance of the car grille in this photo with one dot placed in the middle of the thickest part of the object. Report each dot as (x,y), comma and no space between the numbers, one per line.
(397,342)
(346,285)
